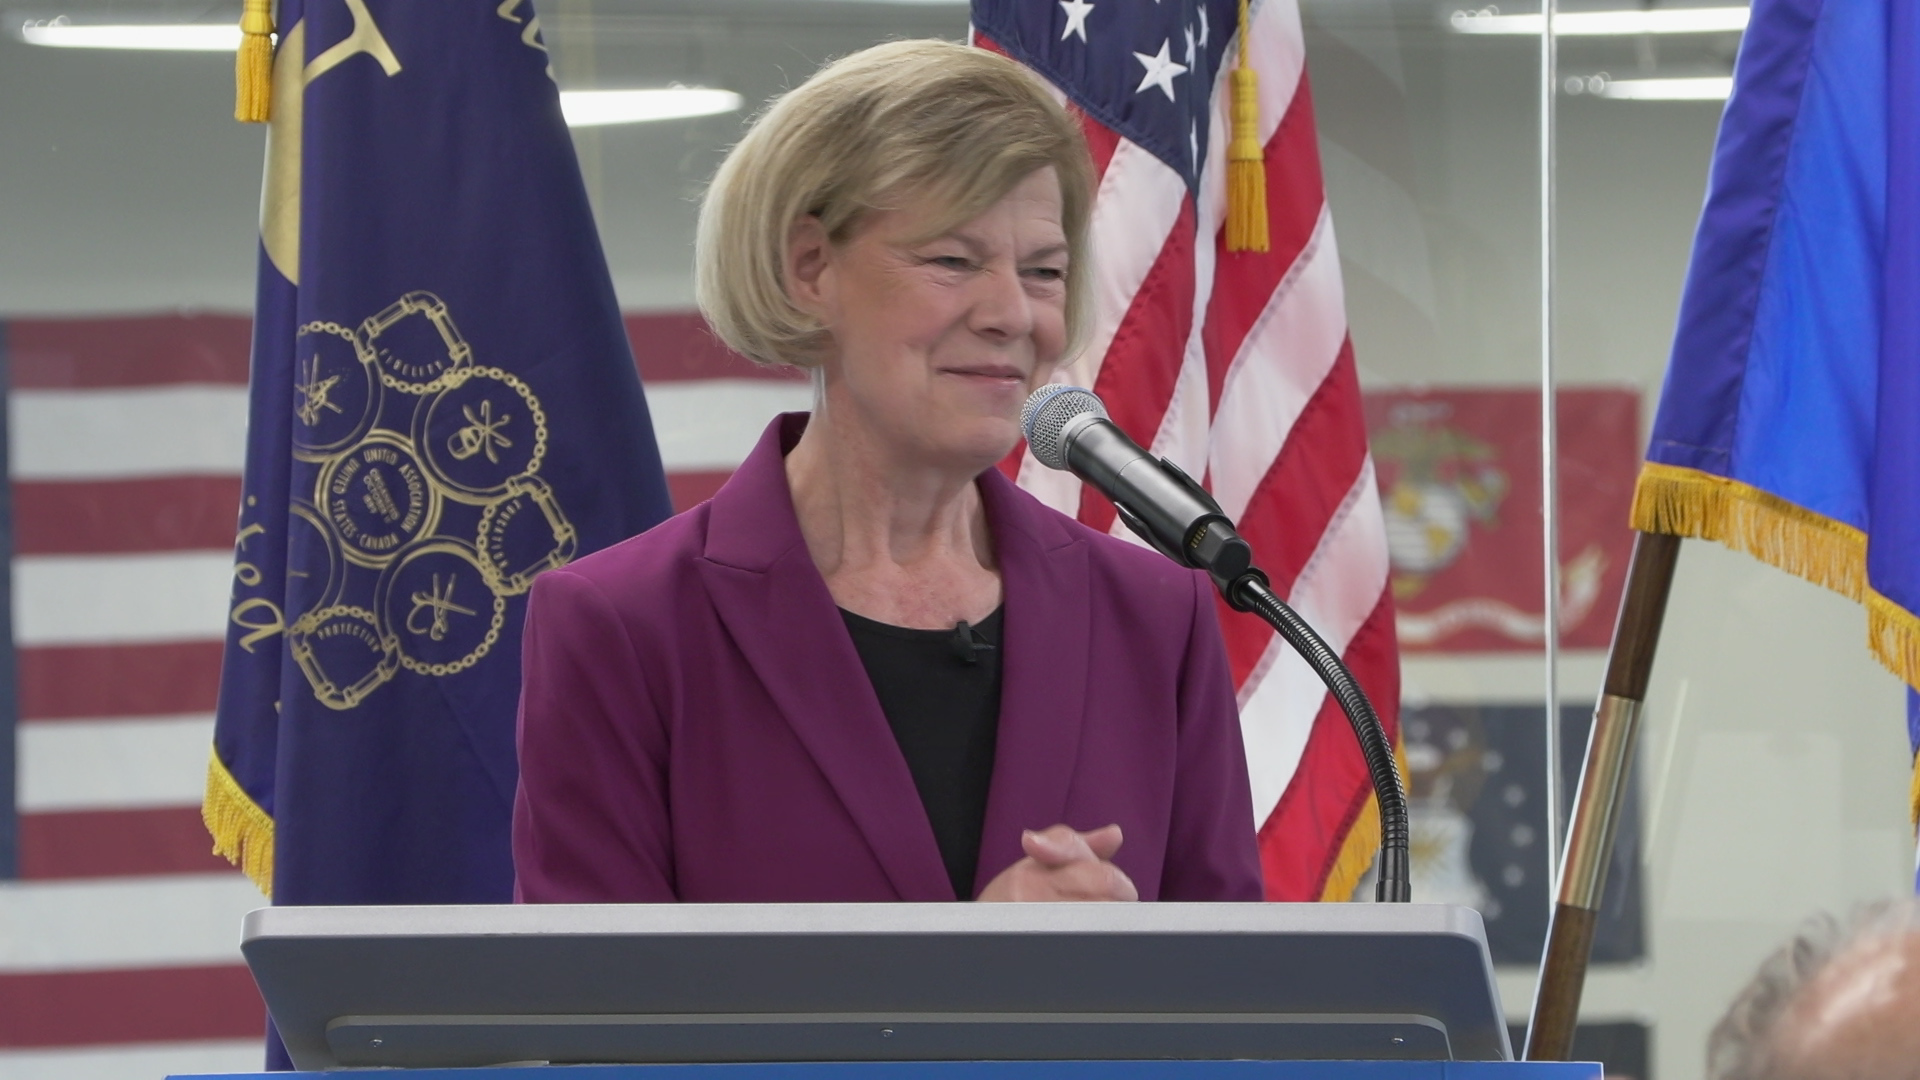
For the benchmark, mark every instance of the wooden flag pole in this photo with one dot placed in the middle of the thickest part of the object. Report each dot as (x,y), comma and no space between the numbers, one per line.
(1597,801)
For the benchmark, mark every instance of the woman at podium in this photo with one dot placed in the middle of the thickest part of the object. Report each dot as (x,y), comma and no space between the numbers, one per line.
(871,668)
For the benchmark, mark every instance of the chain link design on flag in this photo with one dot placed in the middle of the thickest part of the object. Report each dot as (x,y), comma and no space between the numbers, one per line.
(1236,366)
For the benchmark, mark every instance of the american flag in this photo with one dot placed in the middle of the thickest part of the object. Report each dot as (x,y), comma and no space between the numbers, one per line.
(1236,366)
(118,941)
(119,937)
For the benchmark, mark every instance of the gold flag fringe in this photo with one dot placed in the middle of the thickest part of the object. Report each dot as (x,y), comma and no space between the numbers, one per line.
(1362,845)
(242,832)
(253,64)
(1357,853)
(1895,634)
(1687,502)
(1913,793)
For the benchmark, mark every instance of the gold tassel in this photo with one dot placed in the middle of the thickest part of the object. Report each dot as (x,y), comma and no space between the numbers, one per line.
(253,66)
(242,832)
(1246,158)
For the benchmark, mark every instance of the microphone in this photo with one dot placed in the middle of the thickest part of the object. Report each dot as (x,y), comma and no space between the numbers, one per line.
(1067,428)
(968,643)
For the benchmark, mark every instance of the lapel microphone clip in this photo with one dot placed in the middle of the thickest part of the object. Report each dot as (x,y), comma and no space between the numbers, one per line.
(968,644)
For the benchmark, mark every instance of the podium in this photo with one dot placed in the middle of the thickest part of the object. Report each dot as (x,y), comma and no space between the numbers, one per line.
(664,988)
(1011,1070)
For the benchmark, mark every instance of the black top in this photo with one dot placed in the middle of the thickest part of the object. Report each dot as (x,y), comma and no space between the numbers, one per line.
(940,690)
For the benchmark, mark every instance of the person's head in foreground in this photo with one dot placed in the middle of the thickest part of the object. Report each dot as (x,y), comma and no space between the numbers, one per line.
(871,668)
(1841,1001)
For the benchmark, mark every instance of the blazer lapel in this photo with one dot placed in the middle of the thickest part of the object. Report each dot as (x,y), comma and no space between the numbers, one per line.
(778,611)
(1043,688)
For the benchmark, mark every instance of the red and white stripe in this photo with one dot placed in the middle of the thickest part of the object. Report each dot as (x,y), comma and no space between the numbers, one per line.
(1238,367)
(118,946)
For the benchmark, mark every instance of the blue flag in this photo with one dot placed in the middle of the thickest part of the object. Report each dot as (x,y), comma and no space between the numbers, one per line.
(1787,427)
(444,404)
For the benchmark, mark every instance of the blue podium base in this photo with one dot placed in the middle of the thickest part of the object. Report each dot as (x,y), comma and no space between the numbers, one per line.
(1008,1070)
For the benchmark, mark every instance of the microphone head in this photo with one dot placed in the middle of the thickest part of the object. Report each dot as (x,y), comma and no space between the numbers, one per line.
(1044,419)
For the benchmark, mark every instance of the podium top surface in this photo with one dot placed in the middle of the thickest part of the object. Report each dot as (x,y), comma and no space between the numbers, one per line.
(472,985)
(547,920)
(1015,1070)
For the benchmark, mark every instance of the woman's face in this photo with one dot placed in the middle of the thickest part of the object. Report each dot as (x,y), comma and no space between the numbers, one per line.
(936,343)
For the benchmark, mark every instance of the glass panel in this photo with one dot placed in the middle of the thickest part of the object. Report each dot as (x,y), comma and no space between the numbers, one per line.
(1773,763)
(1429,138)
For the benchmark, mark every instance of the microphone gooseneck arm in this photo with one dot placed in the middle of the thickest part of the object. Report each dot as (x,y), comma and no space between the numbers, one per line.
(1214,546)
(1252,593)
(1067,428)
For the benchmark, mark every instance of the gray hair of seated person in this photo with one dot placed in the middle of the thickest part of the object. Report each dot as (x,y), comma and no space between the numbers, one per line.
(1744,1044)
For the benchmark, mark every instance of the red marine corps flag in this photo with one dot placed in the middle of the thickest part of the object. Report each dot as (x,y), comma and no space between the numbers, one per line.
(1219,339)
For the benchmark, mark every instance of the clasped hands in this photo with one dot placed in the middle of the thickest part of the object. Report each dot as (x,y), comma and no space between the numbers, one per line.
(1064,864)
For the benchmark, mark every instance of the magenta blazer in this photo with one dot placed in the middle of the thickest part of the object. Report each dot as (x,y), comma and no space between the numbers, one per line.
(695,724)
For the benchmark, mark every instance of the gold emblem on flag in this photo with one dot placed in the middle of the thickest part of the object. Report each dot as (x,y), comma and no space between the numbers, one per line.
(442,611)
(481,430)
(426,509)
(310,586)
(343,653)
(336,390)
(414,341)
(377,499)
(524,535)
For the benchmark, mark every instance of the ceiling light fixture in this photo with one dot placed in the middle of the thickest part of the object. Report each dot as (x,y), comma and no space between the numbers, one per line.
(161,37)
(1704,88)
(582,108)
(593,108)
(1701,20)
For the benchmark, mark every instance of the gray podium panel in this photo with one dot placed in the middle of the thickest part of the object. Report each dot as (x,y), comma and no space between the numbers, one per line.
(453,986)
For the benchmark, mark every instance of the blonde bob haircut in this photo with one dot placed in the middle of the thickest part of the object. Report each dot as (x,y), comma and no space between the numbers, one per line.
(931,122)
